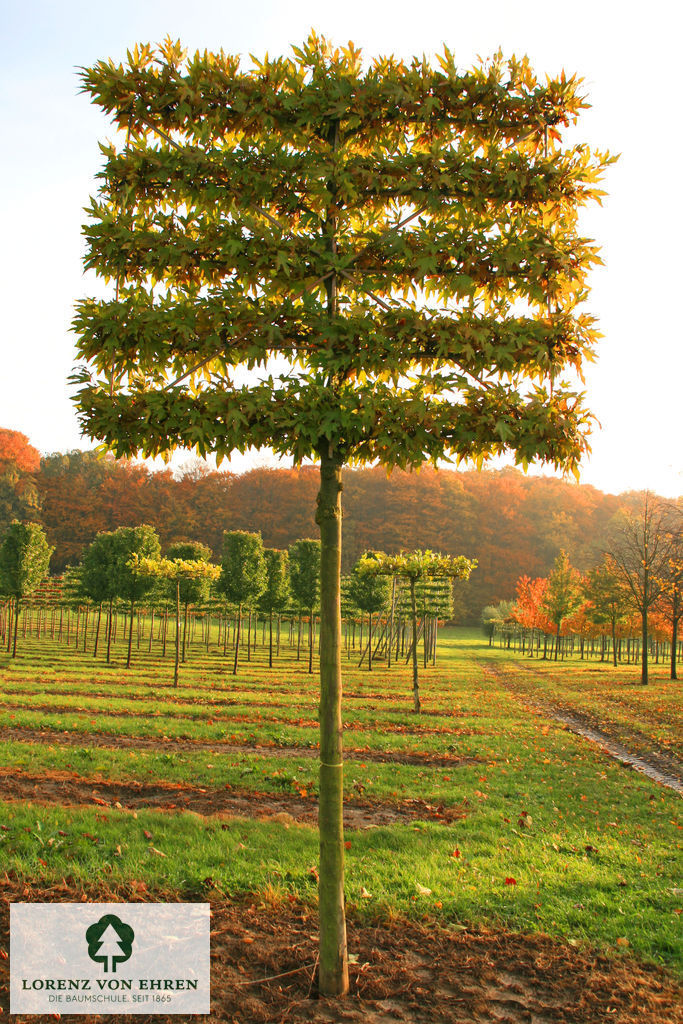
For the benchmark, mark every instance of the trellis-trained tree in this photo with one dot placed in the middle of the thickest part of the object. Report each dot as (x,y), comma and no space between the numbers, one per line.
(276,594)
(371,594)
(24,562)
(98,581)
(401,237)
(129,542)
(176,573)
(193,589)
(563,595)
(243,575)
(415,566)
(304,584)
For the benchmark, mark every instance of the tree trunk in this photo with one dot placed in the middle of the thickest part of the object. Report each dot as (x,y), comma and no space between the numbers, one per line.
(270,646)
(644,660)
(310,642)
(674,644)
(557,641)
(97,631)
(176,667)
(16,624)
(334,972)
(238,627)
(111,605)
(413,613)
(184,632)
(130,635)
(369,641)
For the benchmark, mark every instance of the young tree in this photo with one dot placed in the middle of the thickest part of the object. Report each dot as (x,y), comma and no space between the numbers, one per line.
(243,574)
(133,542)
(563,595)
(416,566)
(98,580)
(403,236)
(24,561)
(640,551)
(304,583)
(671,599)
(370,594)
(176,573)
(276,594)
(494,615)
(193,589)
(608,598)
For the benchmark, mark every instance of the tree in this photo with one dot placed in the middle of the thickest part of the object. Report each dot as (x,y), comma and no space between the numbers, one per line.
(494,615)
(402,236)
(671,599)
(416,566)
(243,575)
(640,551)
(370,594)
(304,583)
(19,461)
(608,599)
(192,589)
(276,594)
(177,573)
(98,580)
(130,542)
(563,595)
(24,561)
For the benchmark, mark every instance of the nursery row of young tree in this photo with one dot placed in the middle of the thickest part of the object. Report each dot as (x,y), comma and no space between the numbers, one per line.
(125,587)
(626,609)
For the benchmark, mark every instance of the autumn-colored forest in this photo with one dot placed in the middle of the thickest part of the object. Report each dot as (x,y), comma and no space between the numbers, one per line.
(513,524)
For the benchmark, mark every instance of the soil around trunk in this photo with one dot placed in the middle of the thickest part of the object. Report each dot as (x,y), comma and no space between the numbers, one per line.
(264,961)
(64,789)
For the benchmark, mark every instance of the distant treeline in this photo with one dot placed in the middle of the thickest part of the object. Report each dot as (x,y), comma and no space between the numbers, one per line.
(512,524)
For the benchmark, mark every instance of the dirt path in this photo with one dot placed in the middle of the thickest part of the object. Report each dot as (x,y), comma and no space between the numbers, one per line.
(65,789)
(660,765)
(264,962)
(166,743)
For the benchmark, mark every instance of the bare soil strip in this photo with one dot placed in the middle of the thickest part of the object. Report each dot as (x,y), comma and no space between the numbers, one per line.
(263,963)
(61,737)
(67,789)
(660,765)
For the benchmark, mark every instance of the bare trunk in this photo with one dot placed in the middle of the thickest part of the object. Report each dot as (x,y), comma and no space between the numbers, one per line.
(334,974)
(416,685)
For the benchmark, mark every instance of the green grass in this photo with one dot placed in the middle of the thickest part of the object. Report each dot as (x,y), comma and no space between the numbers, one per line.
(556,837)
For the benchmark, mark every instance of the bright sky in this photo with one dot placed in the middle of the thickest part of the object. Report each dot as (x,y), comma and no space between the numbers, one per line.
(627,54)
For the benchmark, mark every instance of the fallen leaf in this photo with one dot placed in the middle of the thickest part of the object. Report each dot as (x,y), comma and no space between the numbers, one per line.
(423,890)
(511,881)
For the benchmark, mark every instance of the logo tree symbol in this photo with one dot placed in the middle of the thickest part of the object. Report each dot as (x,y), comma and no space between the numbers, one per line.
(110,941)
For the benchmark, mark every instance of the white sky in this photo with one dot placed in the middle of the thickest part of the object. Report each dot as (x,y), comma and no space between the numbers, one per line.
(628,55)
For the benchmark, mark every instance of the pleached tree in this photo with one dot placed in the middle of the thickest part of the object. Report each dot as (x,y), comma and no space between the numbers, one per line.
(390,248)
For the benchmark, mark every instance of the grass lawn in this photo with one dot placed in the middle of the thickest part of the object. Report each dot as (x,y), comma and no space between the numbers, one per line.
(554,836)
